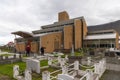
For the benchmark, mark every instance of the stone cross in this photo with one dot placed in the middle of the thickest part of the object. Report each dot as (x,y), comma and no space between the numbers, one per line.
(45,75)
(28,75)
(15,71)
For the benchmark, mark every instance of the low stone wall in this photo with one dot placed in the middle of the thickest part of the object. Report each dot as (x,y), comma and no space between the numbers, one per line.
(114,67)
(10,59)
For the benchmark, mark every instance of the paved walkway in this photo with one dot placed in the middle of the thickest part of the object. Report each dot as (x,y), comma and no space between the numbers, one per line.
(111,75)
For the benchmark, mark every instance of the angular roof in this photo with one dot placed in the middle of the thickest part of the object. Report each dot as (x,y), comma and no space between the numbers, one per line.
(47,30)
(23,34)
(112,25)
(61,23)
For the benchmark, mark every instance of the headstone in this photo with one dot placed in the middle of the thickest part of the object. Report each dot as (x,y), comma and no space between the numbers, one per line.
(64,69)
(89,75)
(59,59)
(72,52)
(96,66)
(76,65)
(33,65)
(6,57)
(20,56)
(28,75)
(49,61)
(62,62)
(14,56)
(89,61)
(66,57)
(15,71)
(45,75)
(65,77)
(1,57)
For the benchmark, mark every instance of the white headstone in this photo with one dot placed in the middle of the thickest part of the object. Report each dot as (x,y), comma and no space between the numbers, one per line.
(89,75)
(59,59)
(89,61)
(49,61)
(28,75)
(62,62)
(72,52)
(45,75)
(15,71)
(64,69)
(33,65)
(66,57)
(76,65)
(65,77)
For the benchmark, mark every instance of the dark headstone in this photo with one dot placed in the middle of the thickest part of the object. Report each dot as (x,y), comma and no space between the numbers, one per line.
(6,57)
(112,54)
(1,57)
(106,53)
(14,56)
(74,58)
(92,53)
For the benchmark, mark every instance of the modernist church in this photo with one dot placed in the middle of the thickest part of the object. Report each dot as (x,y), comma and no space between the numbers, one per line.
(66,33)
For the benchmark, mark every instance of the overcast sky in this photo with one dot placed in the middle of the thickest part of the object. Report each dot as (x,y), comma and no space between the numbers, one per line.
(29,15)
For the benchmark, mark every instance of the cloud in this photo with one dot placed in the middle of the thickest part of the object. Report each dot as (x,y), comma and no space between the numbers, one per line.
(29,15)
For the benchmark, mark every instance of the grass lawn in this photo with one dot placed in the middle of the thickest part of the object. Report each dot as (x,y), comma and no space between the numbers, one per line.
(6,54)
(6,70)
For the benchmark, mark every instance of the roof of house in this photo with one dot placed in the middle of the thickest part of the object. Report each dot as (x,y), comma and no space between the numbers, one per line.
(112,25)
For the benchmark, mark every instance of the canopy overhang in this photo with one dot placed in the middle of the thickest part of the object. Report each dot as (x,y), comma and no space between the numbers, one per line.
(23,34)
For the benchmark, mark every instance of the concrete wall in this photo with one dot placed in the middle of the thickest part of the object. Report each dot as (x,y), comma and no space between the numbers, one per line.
(51,41)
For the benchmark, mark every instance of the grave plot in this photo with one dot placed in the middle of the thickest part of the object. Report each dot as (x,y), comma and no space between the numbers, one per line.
(55,68)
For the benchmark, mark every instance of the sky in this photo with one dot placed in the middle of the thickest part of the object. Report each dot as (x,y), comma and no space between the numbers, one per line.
(29,15)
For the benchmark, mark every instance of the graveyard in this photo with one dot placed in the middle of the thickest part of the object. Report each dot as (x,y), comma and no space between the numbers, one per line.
(59,66)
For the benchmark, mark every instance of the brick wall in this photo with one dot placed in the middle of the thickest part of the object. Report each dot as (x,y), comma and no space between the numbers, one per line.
(51,41)
(68,37)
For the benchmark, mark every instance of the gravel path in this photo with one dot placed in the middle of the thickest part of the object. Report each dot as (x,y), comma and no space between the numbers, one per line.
(111,75)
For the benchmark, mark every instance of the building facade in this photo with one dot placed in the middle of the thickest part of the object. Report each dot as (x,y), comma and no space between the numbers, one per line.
(65,34)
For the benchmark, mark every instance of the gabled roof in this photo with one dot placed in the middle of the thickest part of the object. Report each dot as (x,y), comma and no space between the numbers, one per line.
(112,25)
(23,34)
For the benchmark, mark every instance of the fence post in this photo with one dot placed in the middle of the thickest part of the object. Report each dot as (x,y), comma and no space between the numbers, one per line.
(45,75)
(64,69)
